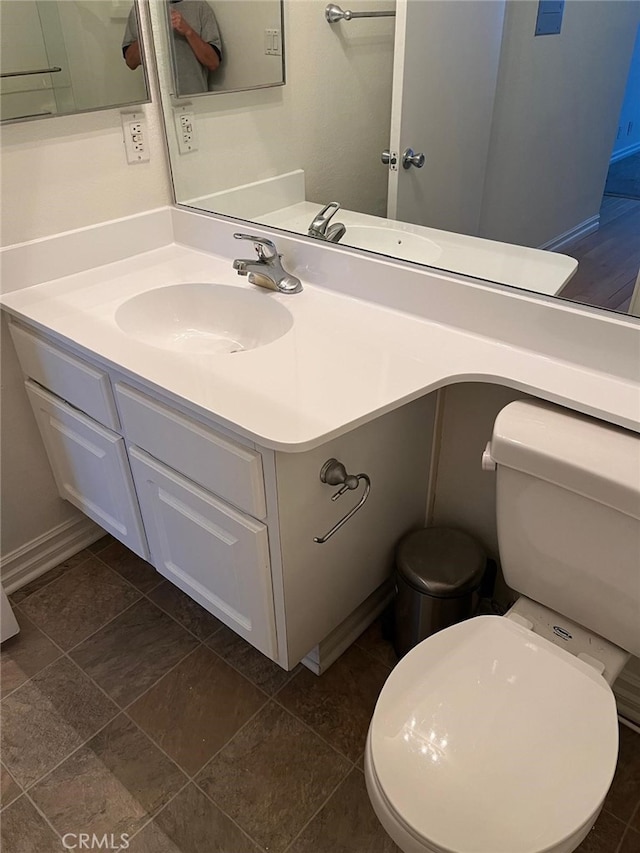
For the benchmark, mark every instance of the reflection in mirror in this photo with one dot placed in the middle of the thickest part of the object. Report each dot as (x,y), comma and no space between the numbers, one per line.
(58,58)
(224,46)
(518,132)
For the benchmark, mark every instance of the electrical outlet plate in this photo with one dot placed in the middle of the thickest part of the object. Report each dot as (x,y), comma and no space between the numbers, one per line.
(185,130)
(134,130)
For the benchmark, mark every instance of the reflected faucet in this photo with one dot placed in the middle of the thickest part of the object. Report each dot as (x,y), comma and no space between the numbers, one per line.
(319,227)
(267,271)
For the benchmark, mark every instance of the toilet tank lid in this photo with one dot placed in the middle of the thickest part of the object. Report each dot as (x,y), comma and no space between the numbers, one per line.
(589,457)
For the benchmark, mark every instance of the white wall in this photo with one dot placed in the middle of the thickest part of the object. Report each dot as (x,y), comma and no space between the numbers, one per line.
(59,174)
(465,495)
(555,119)
(330,119)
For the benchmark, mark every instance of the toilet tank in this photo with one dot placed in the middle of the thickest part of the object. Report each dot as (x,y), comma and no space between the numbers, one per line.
(568,514)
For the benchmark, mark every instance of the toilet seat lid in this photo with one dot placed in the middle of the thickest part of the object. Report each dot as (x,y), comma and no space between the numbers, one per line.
(487,738)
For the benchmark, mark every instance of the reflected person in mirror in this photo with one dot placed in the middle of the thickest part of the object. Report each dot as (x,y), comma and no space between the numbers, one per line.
(197,44)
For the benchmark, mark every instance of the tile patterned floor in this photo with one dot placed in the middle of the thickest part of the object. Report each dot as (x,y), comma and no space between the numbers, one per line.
(128,709)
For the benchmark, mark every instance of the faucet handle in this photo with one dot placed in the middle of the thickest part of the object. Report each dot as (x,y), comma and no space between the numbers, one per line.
(265,248)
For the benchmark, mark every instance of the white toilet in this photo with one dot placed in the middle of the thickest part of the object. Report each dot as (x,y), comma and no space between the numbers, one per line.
(500,734)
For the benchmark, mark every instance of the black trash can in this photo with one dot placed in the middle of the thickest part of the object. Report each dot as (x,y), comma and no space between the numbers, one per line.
(439,570)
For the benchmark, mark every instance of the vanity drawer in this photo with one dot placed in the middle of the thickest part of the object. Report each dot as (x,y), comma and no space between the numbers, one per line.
(86,387)
(207,457)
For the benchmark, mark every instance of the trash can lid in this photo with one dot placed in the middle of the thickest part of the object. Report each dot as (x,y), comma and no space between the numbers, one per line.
(441,561)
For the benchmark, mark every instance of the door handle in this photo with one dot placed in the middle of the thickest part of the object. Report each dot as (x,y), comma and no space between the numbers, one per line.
(409,159)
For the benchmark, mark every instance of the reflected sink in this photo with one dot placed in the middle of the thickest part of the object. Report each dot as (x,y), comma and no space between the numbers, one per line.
(204,318)
(392,241)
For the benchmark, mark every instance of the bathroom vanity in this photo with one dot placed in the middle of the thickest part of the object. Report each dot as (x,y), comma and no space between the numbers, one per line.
(207,462)
(230,522)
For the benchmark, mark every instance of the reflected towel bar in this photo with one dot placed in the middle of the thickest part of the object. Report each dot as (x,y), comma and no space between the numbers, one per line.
(334,13)
(52,70)
(28,115)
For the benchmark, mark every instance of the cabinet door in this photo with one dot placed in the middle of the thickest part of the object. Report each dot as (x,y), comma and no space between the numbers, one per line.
(213,552)
(90,466)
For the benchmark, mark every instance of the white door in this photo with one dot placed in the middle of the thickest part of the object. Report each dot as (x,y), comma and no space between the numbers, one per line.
(216,554)
(89,463)
(444,81)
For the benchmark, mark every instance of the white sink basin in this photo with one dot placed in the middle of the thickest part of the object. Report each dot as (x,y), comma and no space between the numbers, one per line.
(204,318)
(394,242)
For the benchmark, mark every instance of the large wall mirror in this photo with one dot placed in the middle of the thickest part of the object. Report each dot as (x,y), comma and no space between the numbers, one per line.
(59,57)
(521,124)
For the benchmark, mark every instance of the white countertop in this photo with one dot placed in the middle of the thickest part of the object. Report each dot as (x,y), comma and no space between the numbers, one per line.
(343,362)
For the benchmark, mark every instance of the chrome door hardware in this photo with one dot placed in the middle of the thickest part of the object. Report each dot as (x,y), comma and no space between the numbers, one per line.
(410,159)
(335,474)
(390,159)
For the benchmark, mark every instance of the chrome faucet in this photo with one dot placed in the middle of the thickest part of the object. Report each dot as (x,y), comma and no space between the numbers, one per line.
(267,270)
(320,228)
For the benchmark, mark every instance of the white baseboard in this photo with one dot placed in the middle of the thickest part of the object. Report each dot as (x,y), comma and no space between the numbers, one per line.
(625,152)
(47,551)
(627,691)
(329,650)
(582,229)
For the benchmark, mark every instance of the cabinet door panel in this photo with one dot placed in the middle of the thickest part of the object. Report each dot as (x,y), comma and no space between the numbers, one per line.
(213,552)
(89,463)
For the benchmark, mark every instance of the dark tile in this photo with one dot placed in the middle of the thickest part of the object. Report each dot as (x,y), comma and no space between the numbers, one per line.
(23,830)
(133,651)
(75,605)
(24,654)
(255,666)
(185,610)
(151,839)
(624,794)
(631,842)
(101,543)
(52,575)
(10,789)
(338,704)
(195,825)
(272,764)
(196,708)
(48,717)
(113,784)
(347,823)
(605,835)
(377,645)
(132,568)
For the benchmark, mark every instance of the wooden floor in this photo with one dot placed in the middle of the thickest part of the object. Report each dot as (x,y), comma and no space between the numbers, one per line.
(608,259)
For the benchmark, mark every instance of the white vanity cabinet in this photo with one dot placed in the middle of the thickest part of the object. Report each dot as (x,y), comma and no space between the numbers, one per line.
(76,413)
(231,523)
